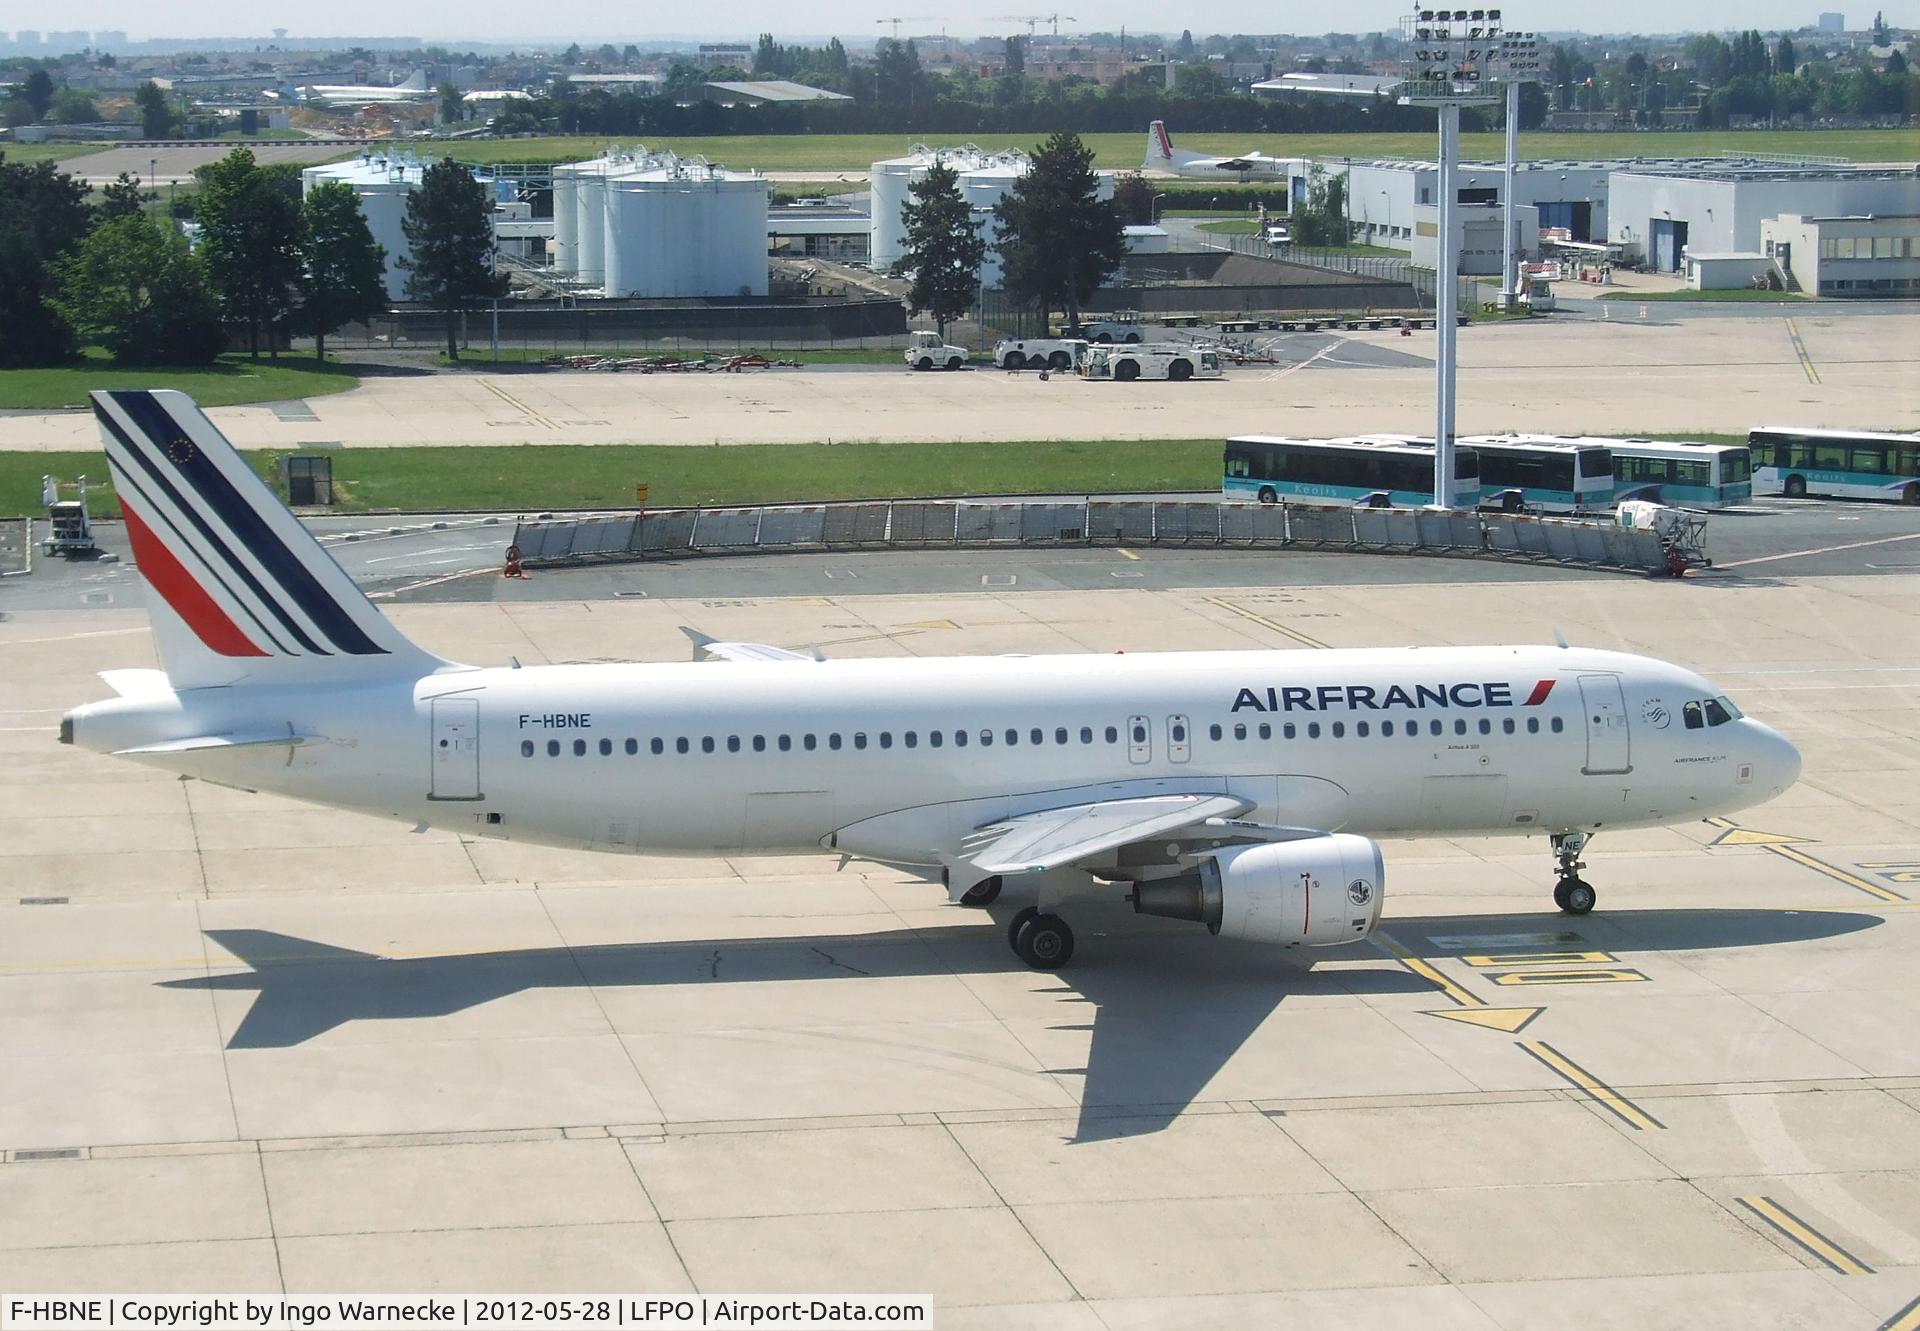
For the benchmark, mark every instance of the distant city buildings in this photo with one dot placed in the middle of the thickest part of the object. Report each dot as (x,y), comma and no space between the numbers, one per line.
(1833,23)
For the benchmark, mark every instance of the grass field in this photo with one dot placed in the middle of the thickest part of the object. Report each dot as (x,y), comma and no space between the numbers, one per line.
(519,479)
(231,379)
(855,152)
(26,154)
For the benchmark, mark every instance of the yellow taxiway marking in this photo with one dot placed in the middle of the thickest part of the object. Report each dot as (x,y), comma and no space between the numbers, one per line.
(1125,554)
(1800,350)
(1805,1236)
(517,404)
(1596,1090)
(1907,1319)
(1512,1020)
(1264,622)
(1425,970)
(1776,844)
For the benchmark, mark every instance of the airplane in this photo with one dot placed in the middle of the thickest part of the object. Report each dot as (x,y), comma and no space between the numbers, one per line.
(1163,156)
(412,89)
(1245,791)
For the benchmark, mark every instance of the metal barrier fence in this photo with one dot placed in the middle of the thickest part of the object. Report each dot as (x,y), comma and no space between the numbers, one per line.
(950,524)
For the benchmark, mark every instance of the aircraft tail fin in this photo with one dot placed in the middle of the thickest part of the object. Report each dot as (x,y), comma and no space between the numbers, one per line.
(241,591)
(1161,154)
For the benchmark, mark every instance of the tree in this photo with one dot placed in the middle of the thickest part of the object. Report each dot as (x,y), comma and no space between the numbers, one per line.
(345,270)
(1784,56)
(449,225)
(141,293)
(251,221)
(1015,61)
(122,197)
(1197,80)
(452,106)
(38,90)
(71,107)
(897,77)
(1880,36)
(1133,199)
(1058,239)
(1322,222)
(157,118)
(943,247)
(43,214)
(1185,50)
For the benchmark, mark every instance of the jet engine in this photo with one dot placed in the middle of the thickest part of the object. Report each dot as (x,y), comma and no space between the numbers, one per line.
(1317,891)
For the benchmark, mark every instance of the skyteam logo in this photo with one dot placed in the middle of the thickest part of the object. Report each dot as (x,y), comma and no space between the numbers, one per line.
(1395,697)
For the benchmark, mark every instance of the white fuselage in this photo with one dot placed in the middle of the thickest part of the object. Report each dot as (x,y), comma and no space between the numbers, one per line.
(898,759)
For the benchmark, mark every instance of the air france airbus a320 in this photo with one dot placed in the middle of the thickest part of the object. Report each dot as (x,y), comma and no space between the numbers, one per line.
(1238,790)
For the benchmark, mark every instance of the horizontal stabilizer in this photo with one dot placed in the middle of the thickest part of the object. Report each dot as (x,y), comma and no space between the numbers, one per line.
(711,649)
(137,683)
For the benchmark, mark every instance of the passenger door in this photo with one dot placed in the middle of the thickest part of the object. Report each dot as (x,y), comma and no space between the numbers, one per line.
(1605,709)
(456,749)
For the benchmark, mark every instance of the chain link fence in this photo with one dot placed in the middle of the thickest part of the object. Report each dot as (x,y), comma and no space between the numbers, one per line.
(955,524)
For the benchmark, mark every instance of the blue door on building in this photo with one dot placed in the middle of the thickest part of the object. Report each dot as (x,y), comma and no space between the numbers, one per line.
(1669,240)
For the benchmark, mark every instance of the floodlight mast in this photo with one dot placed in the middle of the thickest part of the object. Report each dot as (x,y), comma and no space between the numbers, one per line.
(1453,57)
(1520,60)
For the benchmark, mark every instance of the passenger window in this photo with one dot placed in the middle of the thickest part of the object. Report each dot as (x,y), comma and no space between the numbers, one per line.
(1486,726)
(1060,735)
(1386,729)
(1339,729)
(1289,731)
(935,738)
(553,748)
(1533,725)
(912,740)
(733,744)
(859,739)
(986,739)
(1037,735)
(633,746)
(1266,731)
(1558,725)
(706,744)
(1433,727)
(759,743)
(579,748)
(886,739)
(606,748)
(1716,714)
(1506,724)
(1214,731)
(833,740)
(785,742)
(1459,726)
(1013,736)
(1239,731)
(1140,733)
(809,743)
(1113,734)
(526,748)
(1360,729)
(1086,735)
(658,745)
(1313,730)
(959,739)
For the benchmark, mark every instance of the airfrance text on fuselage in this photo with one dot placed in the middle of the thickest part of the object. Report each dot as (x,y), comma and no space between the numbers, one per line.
(1366,697)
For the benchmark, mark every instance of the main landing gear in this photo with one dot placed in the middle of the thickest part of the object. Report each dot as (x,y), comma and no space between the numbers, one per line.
(1571,893)
(1044,942)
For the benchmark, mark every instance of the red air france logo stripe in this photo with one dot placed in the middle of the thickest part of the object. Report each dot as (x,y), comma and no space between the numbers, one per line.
(1166,141)
(1539,694)
(189,600)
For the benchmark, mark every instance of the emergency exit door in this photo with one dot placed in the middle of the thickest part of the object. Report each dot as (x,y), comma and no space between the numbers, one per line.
(456,749)
(1608,747)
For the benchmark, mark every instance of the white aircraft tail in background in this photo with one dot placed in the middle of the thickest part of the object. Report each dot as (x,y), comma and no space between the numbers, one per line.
(1163,156)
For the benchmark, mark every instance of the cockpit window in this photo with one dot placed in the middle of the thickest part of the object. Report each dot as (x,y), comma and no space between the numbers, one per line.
(1691,712)
(1726,705)
(1716,713)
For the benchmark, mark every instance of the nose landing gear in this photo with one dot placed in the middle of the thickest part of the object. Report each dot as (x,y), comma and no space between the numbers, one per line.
(1571,893)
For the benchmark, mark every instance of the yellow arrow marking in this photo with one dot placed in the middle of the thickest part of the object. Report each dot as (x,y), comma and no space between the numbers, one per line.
(1736,835)
(1509,1019)
(1778,843)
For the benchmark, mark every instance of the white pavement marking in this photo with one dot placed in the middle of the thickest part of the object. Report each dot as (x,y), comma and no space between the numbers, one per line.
(1823,550)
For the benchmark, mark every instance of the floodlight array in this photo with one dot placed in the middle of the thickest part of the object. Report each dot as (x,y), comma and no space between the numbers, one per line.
(1457,54)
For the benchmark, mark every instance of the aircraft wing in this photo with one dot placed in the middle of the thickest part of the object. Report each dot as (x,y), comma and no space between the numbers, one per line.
(1055,837)
(711,649)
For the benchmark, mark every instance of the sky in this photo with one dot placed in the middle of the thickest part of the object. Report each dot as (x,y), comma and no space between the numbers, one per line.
(514,20)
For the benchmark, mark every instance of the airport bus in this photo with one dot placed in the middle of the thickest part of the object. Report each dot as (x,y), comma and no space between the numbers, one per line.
(1694,475)
(1270,468)
(1850,463)
(1544,471)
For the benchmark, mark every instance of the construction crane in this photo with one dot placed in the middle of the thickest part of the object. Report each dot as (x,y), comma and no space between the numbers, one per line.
(1033,21)
(911,18)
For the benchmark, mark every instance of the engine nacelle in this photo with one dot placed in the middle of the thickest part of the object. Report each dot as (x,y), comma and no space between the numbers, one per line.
(1317,891)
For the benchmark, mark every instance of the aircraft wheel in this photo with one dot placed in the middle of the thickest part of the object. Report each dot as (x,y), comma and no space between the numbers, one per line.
(1046,943)
(1019,922)
(983,893)
(1574,896)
